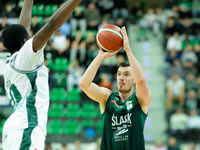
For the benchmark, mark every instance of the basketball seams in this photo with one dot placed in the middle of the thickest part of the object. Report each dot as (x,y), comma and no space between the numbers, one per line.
(109,38)
(111,30)
(102,45)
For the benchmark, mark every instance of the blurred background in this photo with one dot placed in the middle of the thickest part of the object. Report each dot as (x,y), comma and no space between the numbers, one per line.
(165,38)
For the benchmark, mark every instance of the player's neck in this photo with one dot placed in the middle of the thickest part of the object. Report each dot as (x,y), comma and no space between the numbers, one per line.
(12,52)
(125,95)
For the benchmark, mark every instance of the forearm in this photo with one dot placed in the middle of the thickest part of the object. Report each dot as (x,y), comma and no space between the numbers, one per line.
(26,14)
(136,68)
(91,71)
(62,14)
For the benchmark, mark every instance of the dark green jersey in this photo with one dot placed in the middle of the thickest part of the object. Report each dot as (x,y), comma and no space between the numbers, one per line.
(123,124)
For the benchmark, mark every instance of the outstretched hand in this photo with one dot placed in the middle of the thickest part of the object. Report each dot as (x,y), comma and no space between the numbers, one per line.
(107,54)
(126,44)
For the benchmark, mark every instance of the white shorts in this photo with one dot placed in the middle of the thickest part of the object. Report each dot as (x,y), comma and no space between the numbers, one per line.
(26,139)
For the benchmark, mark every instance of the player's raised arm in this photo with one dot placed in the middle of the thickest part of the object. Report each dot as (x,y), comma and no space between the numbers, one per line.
(92,90)
(26,14)
(54,23)
(143,93)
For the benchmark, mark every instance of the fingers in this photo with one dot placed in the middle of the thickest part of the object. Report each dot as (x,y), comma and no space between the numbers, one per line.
(124,31)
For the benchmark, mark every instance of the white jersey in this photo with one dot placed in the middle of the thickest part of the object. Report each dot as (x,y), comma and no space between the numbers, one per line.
(26,84)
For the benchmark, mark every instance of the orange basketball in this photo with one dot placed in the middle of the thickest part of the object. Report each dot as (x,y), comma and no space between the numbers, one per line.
(109,38)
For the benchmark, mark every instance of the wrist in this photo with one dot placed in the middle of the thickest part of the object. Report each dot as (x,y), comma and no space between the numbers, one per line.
(128,49)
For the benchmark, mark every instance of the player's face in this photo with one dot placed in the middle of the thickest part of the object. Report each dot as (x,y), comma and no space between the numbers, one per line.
(125,80)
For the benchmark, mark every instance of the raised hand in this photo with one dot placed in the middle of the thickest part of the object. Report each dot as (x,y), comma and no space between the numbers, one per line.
(126,44)
(107,54)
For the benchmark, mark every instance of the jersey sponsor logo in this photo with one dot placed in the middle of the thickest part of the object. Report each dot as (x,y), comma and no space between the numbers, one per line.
(122,132)
(114,102)
(121,119)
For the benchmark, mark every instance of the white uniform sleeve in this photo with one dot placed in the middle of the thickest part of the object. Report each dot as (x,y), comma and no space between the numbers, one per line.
(27,59)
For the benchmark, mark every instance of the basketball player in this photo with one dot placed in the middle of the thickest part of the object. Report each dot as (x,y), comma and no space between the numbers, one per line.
(124,112)
(26,78)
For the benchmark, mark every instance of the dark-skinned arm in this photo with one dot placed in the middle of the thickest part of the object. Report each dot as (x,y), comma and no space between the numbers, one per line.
(54,23)
(26,14)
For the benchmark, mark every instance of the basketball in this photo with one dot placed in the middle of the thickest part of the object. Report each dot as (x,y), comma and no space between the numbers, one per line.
(109,38)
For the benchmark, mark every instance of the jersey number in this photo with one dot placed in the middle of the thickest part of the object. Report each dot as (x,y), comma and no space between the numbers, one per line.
(15,94)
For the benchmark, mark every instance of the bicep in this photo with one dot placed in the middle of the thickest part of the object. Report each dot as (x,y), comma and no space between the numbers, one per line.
(41,37)
(143,93)
(98,94)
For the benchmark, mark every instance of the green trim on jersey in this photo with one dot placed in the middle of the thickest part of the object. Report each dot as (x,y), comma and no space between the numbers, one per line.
(22,71)
(26,139)
(123,124)
(30,103)
(15,94)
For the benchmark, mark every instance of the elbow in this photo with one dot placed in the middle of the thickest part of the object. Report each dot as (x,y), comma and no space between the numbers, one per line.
(141,80)
(82,84)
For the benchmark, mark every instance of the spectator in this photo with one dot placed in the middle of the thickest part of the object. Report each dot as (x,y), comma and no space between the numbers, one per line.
(90,38)
(48,146)
(171,28)
(159,146)
(78,145)
(78,49)
(106,6)
(8,11)
(172,12)
(195,9)
(151,18)
(189,26)
(2,48)
(60,44)
(78,20)
(92,16)
(105,81)
(193,125)
(189,60)
(184,11)
(142,29)
(66,29)
(187,41)
(171,56)
(191,101)
(4,23)
(174,42)
(175,90)
(35,27)
(74,75)
(190,82)
(120,12)
(197,52)
(172,144)
(104,21)
(192,146)
(120,22)
(92,52)
(178,124)
(137,11)
(161,18)
(64,147)
(175,67)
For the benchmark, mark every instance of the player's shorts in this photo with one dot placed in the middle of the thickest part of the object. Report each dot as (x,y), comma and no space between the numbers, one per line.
(26,139)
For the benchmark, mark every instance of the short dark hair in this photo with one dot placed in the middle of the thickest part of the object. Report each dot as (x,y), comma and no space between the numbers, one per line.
(123,64)
(13,37)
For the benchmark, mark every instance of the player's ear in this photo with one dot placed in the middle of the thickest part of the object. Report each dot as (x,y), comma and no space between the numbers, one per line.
(25,39)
